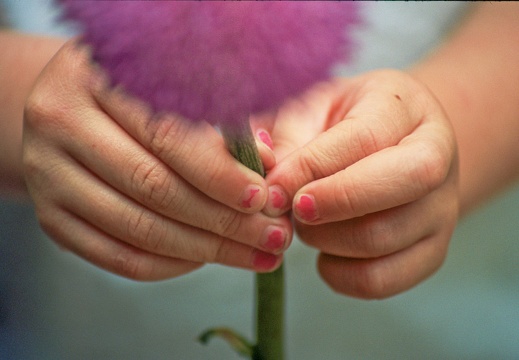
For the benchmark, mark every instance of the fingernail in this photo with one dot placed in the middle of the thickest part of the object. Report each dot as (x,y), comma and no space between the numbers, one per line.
(264,136)
(274,239)
(251,197)
(262,261)
(277,201)
(305,208)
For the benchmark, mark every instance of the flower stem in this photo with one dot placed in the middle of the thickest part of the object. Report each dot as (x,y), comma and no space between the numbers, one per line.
(269,286)
(269,315)
(241,144)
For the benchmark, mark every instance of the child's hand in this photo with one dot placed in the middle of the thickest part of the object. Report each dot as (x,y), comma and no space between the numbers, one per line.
(147,198)
(369,167)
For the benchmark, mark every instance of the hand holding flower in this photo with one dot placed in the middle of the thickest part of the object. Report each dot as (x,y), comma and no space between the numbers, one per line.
(212,63)
(142,198)
(369,167)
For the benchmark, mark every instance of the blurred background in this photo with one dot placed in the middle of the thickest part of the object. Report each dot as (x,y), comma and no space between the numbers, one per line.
(54,305)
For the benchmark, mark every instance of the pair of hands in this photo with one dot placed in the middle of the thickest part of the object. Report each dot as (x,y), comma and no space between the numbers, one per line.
(368,165)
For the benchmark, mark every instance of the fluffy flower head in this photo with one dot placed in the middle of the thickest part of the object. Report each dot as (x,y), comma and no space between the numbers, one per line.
(215,61)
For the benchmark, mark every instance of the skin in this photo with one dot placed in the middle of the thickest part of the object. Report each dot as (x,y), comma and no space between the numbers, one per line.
(143,196)
(30,53)
(382,164)
(377,193)
(384,176)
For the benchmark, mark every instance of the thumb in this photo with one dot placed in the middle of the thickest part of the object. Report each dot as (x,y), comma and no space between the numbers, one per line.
(296,125)
(361,117)
(299,120)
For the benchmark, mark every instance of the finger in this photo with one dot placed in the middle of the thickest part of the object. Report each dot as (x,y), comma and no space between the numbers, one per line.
(363,131)
(265,147)
(194,150)
(123,220)
(121,162)
(108,253)
(106,149)
(295,124)
(384,276)
(299,120)
(365,117)
(397,175)
(385,232)
(80,237)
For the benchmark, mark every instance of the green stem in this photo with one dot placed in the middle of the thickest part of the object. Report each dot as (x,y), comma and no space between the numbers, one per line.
(269,315)
(269,286)
(241,144)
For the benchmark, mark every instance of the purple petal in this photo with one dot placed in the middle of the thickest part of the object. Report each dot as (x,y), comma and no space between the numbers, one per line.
(215,61)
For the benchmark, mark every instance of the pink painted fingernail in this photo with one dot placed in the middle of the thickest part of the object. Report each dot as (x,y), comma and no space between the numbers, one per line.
(277,201)
(262,261)
(305,208)
(274,239)
(278,198)
(264,136)
(251,197)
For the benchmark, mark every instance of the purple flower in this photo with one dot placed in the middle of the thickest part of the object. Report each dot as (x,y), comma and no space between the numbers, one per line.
(215,61)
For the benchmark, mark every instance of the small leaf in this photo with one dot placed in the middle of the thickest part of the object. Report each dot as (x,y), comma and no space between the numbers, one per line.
(241,345)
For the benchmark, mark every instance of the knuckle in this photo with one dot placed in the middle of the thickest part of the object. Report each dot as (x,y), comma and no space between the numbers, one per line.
(47,117)
(366,142)
(206,251)
(215,174)
(433,169)
(31,163)
(147,230)
(156,185)
(33,108)
(48,221)
(310,235)
(310,164)
(55,223)
(348,197)
(227,224)
(165,136)
(45,175)
(360,278)
(37,110)
(130,265)
(48,105)
(370,282)
(209,169)
(175,142)
(222,252)
(371,237)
